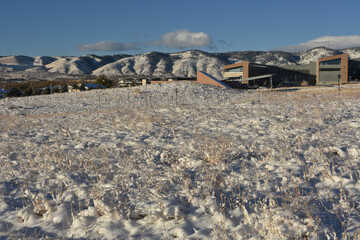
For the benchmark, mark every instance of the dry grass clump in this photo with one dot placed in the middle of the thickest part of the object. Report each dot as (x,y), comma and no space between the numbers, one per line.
(214,150)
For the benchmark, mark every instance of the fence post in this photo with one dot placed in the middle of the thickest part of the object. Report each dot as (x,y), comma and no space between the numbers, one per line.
(176,96)
(128,95)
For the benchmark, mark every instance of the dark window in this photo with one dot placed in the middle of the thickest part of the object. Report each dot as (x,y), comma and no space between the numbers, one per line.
(331,62)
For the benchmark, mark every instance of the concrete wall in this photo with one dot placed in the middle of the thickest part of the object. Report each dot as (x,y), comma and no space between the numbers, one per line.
(258,69)
(299,75)
(309,68)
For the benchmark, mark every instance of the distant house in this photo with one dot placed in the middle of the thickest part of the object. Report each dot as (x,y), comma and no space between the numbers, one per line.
(201,77)
(132,82)
(72,89)
(172,79)
(3,92)
(85,86)
(89,86)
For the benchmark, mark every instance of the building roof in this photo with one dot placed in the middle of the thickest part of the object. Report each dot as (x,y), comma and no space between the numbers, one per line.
(235,65)
(240,64)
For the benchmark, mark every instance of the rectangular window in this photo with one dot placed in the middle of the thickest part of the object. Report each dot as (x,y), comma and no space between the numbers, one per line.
(331,62)
(238,69)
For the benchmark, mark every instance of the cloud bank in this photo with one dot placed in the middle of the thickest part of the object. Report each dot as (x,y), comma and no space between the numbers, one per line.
(107,46)
(333,42)
(179,39)
(184,39)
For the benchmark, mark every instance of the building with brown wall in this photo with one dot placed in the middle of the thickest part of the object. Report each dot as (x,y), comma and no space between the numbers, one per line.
(205,78)
(254,75)
(332,70)
(325,71)
(328,70)
(237,70)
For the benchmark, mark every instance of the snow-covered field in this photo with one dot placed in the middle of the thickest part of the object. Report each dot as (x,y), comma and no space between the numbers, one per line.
(183,161)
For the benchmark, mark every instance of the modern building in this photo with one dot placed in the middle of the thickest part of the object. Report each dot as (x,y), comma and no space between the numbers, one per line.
(247,74)
(332,70)
(337,69)
(326,71)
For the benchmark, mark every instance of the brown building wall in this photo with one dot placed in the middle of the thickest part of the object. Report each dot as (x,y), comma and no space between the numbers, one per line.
(344,66)
(204,79)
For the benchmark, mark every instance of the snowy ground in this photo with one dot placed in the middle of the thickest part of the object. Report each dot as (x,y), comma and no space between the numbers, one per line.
(182,161)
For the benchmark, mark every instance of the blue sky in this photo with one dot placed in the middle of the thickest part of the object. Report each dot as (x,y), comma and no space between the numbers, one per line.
(79,27)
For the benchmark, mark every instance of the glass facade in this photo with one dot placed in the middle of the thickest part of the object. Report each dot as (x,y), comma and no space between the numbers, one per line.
(331,62)
(238,69)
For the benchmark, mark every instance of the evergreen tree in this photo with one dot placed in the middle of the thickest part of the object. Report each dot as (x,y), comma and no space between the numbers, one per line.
(14,92)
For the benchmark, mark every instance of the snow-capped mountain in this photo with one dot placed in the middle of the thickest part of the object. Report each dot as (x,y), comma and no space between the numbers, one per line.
(353,52)
(156,64)
(165,64)
(314,54)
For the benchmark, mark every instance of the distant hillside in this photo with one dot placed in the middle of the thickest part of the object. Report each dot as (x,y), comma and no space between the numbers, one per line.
(156,64)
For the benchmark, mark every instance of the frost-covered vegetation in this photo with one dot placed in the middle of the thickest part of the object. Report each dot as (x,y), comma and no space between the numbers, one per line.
(182,161)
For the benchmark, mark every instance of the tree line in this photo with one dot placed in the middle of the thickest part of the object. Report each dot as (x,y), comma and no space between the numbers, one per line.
(30,88)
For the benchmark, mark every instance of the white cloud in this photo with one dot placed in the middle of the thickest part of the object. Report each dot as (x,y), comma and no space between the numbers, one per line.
(107,46)
(184,39)
(333,42)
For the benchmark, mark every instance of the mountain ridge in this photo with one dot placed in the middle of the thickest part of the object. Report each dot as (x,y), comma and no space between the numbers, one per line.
(159,64)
